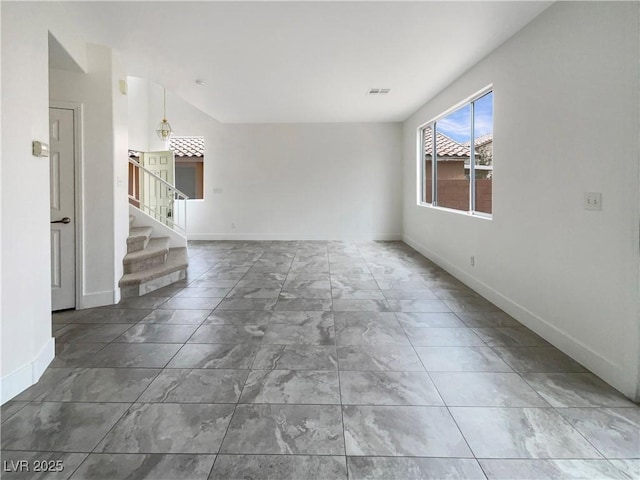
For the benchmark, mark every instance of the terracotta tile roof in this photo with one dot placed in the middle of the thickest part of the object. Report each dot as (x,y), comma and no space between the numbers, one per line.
(446,147)
(187,146)
(484,139)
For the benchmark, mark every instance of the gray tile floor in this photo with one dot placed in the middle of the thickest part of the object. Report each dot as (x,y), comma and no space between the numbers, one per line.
(314,360)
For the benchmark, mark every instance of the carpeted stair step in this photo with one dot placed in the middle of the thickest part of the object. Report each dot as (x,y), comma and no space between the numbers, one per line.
(138,238)
(146,281)
(155,254)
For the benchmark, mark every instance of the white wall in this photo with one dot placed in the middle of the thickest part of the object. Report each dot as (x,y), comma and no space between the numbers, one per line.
(27,346)
(138,106)
(305,181)
(566,122)
(289,181)
(26,297)
(120,165)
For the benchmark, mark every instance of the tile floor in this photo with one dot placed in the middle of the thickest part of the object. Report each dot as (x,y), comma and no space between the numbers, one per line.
(314,360)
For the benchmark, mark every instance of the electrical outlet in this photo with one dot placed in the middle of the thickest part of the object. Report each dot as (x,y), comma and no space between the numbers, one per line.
(233,225)
(592,201)
(472,260)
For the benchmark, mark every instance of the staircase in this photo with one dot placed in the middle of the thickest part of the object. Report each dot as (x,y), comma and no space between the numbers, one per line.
(149,263)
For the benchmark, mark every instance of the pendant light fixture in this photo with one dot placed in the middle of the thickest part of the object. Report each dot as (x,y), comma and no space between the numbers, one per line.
(164,129)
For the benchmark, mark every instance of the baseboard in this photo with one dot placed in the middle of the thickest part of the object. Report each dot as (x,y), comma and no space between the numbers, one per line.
(117,295)
(609,371)
(97,299)
(387,237)
(22,378)
(290,237)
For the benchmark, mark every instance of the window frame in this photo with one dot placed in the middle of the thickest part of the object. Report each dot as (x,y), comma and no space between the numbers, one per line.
(421,183)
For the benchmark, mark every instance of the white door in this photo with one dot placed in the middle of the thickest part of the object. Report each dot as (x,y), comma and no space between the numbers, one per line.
(63,248)
(155,195)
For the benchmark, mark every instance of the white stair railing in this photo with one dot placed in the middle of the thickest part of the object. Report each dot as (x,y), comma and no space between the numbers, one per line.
(157,197)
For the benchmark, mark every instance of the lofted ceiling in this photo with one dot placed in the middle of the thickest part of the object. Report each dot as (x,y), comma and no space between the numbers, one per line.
(302,61)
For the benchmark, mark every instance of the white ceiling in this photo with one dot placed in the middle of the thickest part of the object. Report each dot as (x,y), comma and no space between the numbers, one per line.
(302,61)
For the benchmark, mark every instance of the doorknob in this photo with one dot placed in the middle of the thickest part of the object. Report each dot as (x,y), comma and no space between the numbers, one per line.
(64,220)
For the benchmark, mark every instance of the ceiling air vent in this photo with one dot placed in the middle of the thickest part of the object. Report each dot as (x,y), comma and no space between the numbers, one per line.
(378,91)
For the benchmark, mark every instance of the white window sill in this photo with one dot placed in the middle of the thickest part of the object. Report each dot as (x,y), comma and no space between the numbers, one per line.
(484,216)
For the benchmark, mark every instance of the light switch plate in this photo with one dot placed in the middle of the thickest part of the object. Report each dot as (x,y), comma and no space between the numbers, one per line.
(592,200)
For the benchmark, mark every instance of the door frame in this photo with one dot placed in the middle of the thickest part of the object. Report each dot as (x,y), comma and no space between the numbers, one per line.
(78,160)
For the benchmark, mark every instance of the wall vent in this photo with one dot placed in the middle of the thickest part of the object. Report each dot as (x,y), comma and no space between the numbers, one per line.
(378,91)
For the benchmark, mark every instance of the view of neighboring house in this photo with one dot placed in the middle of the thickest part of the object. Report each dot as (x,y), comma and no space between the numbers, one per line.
(453,170)
(484,156)
(452,156)
(189,161)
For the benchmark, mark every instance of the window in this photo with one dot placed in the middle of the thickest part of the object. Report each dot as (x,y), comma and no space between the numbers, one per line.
(187,179)
(462,144)
(189,156)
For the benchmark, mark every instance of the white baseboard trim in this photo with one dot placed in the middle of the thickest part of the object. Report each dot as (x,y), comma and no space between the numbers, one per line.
(97,299)
(22,378)
(285,237)
(609,371)
(387,237)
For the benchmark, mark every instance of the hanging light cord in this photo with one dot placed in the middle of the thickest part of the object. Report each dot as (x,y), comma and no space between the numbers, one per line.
(164,104)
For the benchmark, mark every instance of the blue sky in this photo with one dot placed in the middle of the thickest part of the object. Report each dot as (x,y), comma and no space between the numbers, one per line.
(457,125)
